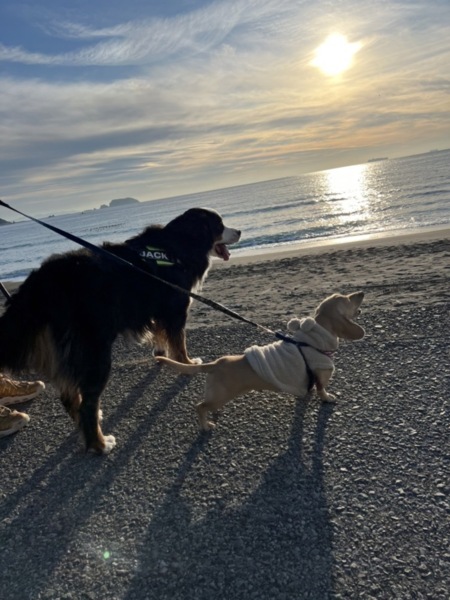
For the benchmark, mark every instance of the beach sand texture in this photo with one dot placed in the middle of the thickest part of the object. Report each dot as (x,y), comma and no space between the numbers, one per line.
(287,498)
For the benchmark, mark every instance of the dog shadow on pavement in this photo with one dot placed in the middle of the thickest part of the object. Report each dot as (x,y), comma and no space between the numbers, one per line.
(276,544)
(164,517)
(66,490)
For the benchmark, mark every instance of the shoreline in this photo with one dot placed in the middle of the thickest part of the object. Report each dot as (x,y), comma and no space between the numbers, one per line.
(411,269)
(322,246)
(325,245)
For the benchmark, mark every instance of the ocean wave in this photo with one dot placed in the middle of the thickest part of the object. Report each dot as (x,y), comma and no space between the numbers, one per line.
(254,211)
(284,237)
(421,194)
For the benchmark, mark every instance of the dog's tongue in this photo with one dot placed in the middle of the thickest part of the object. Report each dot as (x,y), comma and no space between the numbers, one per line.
(222,251)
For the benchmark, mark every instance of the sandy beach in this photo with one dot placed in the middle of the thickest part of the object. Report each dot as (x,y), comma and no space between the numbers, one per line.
(270,287)
(288,498)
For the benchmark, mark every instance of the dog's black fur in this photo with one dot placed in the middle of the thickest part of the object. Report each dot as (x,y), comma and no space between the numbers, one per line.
(64,318)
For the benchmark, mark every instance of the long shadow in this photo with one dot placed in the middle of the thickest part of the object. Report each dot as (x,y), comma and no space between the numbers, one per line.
(66,449)
(63,494)
(277,544)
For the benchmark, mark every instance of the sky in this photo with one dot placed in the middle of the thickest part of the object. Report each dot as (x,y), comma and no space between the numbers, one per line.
(105,99)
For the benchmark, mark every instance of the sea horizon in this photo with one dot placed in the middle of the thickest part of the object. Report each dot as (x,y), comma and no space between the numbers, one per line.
(380,198)
(220,189)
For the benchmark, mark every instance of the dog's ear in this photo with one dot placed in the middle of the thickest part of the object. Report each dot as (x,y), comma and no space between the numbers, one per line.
(351,329)
(356,298)
(347,329)
(333,311)
(200,223)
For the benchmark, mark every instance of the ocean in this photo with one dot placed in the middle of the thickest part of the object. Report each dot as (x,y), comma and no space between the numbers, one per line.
(380,196)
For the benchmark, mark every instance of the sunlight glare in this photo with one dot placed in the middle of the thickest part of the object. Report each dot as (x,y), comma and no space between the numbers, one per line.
(349,190)
(335,55)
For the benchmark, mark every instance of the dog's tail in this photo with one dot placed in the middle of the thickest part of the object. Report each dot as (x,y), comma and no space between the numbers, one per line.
(25,342)
(185,369)
(15,341)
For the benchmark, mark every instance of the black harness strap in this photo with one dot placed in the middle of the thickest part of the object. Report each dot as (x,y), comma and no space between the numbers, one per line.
(309,372)
(300,345)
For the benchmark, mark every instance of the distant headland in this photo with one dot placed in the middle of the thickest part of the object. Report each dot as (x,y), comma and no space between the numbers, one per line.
(113,204)
(120,202)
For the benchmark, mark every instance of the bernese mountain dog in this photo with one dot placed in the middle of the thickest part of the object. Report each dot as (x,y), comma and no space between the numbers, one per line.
(63,320)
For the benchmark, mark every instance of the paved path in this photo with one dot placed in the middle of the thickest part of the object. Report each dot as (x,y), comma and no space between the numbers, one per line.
(285,500)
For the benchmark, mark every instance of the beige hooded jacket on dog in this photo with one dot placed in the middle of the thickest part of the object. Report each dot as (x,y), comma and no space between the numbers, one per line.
(282,364)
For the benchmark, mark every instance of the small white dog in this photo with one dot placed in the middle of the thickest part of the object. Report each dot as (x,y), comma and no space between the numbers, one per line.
(281,366)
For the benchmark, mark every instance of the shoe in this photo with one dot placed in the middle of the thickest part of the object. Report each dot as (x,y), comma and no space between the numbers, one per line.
(11,421)
(14,392)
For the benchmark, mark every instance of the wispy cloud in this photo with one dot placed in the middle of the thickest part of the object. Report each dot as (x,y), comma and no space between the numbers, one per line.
(150,40)
(221,95)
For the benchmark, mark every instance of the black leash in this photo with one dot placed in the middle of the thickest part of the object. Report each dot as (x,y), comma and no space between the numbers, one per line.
(5,291)
(211,303)
(104,253)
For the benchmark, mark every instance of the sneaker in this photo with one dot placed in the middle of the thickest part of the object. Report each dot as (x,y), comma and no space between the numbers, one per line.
(13,392)
(11,421)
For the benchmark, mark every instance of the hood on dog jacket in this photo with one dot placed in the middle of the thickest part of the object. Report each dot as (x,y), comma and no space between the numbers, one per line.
(281,363)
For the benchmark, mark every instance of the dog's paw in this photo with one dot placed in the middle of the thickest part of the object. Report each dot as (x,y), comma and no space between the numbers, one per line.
(196,361)
(326,397)
(208,426)
(110,442)
(103,445)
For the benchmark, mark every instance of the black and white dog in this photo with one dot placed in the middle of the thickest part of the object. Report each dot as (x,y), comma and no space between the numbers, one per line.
(63,320)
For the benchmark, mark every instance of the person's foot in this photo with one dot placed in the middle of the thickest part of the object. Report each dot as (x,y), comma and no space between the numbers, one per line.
(11,421)
(14,392)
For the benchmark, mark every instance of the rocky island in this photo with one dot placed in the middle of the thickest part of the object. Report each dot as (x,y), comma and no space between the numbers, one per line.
(120,202)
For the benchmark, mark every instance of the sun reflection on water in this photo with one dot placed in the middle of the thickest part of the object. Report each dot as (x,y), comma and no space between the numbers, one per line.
(348,192)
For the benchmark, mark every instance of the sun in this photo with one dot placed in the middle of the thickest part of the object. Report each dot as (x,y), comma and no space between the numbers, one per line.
(335,55)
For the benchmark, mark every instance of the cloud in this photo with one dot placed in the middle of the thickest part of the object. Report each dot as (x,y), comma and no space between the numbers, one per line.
(218,96)
(151,40)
